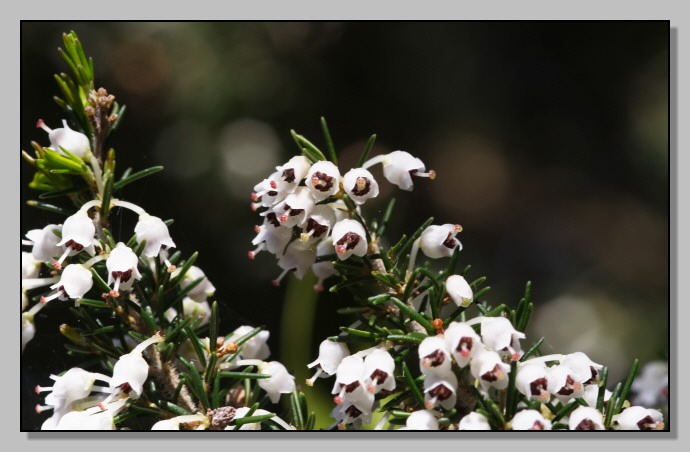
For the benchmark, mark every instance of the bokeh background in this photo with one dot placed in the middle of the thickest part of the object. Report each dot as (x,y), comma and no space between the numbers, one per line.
(550,140)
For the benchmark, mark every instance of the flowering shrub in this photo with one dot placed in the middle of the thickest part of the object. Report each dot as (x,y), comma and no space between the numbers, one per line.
(423,350)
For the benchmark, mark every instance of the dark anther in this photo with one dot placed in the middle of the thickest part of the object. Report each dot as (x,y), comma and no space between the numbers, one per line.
(464,344)
(125,387)
(568,388)
(74,245)
(124,276)
(352,386)
(537,386)
(436,358)
(357,191)
(322,181)
(442,392)
(491,375)
(646,423)
(273,219)
(378,375)
(289,175)
(537,426)
(449,242)
(319,229)
(350,240)
(353,412)
(586,424)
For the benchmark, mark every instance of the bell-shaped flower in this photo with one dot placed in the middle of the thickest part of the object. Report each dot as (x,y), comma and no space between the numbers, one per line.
(586,418)
(474,421)
(461,340)
(271,236)
(270,191)
(330,356)
(28,328)
(378,370)
(323,180)
(353,414)
(360,185)
(45,242)
(30,266)
(198,420)
(298,256)
(73,385)
(349,238)
(295,208)
(201,310)
(651,385)
(323,269)
(96,418)
(201,291)
(529,420)
(459,290)
(319,223)
(131,370)
(434,358)
(487,367)
(563,385)
(292,172)
(440,390)
(279,382)
(74,282)
(154,232)
(399,167)
(349,384)
(65,138)
(591,395)
(583,369)
(532,380)
(77,235)
(639,418)
(122,268)
(439,241)
(255,347)
(421,420)
(500,335)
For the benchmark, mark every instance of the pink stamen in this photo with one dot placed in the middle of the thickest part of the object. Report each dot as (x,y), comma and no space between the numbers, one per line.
(341,249)
(273,184)
(41,125)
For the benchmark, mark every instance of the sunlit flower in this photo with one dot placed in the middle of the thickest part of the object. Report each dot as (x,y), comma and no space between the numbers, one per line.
(280,382)
(532,380)
(349,238)
(440,390)
(199,420)
(45,242)
(639,418)
(298,256)
(154,232)
(586,418)
(295,208)
(122,268)
(488,367)
(77,235)
(434,358)
(439,241)
(330,356)
(131,370)
(271,236)
(421,420)
(255,347)
(500,335)
(360,185)
(530,420)
(378,371)
(65,138)
(318,223)
(399,167)
(74,282)
(323,180)
(459,290)
(461,340)
(474,421)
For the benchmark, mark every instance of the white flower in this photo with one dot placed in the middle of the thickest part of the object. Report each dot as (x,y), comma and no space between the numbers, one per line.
(256,347)
(30,266)
(74,142)
(280,382)
(440,389)
(330,356)
(131,370)
(562,384)
(459,290)
(349,384)
(639,418)
(349,238)
(201,291)
(399,167)
(271,236)
(28,328)
(191,308)
(299,256)
(351,413)
(421,420)
(434,358)
(73,385)
(45,242)
(532,380)
(583,369)
(439,241)
(378,371)
(499,335)
(586,418)
(360,185)
(77,235)
(174,422)
(487,367)
(319,223)
(651,385)
(154,231)
(270,191)
(292,172)
(461,340)
(529,420)
(122,268)
(293,211)
(323,180)
(74,282)
(591,395)
(474,421)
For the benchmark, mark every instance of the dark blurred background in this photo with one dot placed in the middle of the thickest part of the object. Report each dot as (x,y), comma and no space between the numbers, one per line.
(550,140)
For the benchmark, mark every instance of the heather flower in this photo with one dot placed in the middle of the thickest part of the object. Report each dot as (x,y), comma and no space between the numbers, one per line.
(330,356)
(323,180)
(122,268)
(65,138)
(280,382)
(360,185)
(639,418)
(461,340)
(421,420)
(378,369)
(529,420)
(500,335)
(434,358)
(399,167)
(586,418)
(349,238)
(439,241)
(154,232)
(459,290)
(440,390)
(474,421)
(45,242)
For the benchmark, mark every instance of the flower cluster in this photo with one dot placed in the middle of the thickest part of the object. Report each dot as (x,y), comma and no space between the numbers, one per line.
(308,210)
